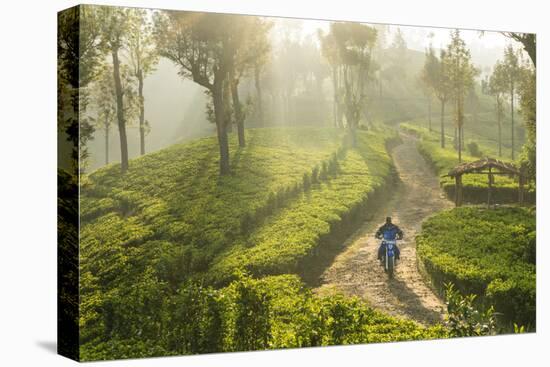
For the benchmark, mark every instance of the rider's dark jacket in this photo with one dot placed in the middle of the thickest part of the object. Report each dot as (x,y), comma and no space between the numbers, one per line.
(388,231)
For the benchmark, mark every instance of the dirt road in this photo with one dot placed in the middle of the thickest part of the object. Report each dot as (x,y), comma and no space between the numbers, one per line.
(356,271)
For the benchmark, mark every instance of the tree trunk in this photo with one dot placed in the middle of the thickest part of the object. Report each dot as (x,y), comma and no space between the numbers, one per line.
(259,95)
(459,145)
(462,137)
(106,144)
(458,128)
(455,139)
(120,114)
(335,97)
(223,142)
(227,107)
(238,112)
(442,124)
(430,114)
(499,124)
(512,115)
(141,113)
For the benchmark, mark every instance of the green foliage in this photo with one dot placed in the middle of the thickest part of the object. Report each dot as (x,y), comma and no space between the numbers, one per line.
(489,253)
(473,149)
(463,318)
(294,233)
(170,221)
(442,160)
(251,314)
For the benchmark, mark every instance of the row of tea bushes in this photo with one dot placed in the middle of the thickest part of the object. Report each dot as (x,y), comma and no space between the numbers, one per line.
(490,253)
(291,240)
(171,216)
(442,160)
(249,314)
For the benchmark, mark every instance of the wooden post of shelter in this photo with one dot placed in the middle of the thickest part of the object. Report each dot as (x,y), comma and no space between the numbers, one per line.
(489,188)
(458,190)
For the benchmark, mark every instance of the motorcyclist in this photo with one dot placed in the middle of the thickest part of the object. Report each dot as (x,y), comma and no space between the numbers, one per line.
(388,231)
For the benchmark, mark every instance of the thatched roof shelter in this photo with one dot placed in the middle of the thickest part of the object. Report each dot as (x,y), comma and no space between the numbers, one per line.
(485,166)
(490,167)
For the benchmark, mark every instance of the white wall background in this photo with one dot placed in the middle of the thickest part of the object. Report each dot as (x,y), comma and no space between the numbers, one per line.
(28,181)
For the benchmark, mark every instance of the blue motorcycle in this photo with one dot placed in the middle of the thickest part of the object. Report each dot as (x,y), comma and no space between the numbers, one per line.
(388,251)
(388,257)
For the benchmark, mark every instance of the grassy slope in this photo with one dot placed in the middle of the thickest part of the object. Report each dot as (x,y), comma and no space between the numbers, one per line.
(176,196)
(171,218)
(293,232)
(487,252)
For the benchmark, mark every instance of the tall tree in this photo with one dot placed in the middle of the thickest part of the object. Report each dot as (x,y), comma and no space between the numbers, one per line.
(249,49)
(529,42)
(105,103)
(527,94)
(528,103)
(262,45)
(78,60)
(513,74)
(329,50)
(202,46)
(429,77)
(354,43)
(115,31)
(104,98)
(143,59)
(461,78)
(435,75)
(498,87)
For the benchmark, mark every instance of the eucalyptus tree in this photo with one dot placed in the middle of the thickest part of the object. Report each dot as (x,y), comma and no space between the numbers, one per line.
(249,50)
(329,49)
(143,58)
(461,75)
(527,94)
(353,45)
(261,44)
(528,103)
(435,75)
(79,57)
(115,29)
(513,75)
(203,46)
(429,76)
(498,87)
(105,102)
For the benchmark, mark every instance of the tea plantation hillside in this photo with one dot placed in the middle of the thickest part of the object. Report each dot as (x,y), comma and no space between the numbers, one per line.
(505,189)
(172,220)
(490,253)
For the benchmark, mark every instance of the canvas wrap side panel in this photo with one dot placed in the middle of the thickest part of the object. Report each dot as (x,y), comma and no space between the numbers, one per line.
(68,39)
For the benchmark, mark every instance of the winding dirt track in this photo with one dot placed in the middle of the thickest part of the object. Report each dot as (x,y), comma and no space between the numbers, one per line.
(356,271)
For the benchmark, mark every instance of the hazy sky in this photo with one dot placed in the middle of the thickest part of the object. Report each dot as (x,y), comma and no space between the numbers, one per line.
(486,48)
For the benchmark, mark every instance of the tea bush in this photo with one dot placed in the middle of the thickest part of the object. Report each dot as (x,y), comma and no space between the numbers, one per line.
(254,314)
(489,253)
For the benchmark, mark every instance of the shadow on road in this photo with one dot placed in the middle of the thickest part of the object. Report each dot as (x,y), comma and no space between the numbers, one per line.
(412,302)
